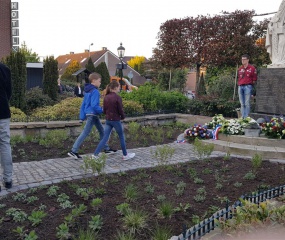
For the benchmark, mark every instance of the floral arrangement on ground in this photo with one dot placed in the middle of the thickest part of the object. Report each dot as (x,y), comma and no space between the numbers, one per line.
(273,128)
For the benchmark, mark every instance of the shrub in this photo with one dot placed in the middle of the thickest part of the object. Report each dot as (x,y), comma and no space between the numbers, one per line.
(17,114)
(36,99)
(66,109)
(153,99)
(209,106)
(132,107)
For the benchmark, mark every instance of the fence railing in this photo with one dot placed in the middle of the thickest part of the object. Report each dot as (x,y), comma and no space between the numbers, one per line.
(207,225)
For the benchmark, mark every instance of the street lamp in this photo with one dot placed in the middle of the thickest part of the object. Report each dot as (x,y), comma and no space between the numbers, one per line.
(91,44)
(121,53)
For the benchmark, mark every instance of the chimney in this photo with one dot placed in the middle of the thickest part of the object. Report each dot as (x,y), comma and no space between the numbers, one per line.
(71,53)
(104,48)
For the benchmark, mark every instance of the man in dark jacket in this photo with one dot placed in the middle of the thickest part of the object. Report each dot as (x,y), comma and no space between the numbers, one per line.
(78,91)
(5,115)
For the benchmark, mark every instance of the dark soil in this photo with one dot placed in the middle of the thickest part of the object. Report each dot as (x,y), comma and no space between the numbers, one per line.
(33,151)
(223,180)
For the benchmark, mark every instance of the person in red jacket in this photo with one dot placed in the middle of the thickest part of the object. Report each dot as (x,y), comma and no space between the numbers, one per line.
(113,108)
(247,77)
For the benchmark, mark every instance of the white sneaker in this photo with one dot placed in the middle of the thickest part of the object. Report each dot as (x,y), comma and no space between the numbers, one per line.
(129,156)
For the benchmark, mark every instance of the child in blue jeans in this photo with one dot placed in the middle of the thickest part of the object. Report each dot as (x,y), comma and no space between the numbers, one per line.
(113,108)
(89,110)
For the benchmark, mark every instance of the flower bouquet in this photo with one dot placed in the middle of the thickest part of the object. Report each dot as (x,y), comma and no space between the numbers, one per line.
(235,126)
(218,119)
(275,128)
(197,131)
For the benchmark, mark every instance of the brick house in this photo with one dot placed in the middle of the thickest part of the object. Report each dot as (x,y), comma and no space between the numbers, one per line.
(104,55)
(5,28)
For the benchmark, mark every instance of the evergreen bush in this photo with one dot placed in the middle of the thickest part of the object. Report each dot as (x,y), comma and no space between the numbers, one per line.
(36,99)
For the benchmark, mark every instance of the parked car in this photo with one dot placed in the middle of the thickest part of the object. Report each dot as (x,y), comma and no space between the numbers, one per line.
(126,85)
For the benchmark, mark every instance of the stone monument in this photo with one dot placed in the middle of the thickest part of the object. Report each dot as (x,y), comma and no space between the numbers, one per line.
(270,89)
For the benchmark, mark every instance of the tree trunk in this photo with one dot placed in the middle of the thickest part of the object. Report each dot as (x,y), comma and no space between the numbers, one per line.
(198,65)
(169,83)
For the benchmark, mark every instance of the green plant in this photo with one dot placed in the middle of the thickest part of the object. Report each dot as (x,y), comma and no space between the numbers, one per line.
(63,231)
(165,210)
(133,129)
(249,176)
(180,187)
(207,171)
(16,214)
(20,232)
(198,180)
(182,208)
(131,192)
(95,223)
(227,156)
(95,164)
(256,162)
(53,138)
(123,208)
(32,199)
(202,151)
(2,205)
(95,203)
(195,219)
(100,191)
(19,197)
(31,236)
(169,182)
(135,221)
(36,217)
(163,154)
(63,199)
(219,186)
(52,190)
(86,235)
(237,184)
(161,198)
(125,236)
(192,172)
(157,136)
(84,192)
(201,195)
(149,188)
(161,233)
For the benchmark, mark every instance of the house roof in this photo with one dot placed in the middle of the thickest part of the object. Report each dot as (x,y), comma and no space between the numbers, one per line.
(82,58)
(81,71)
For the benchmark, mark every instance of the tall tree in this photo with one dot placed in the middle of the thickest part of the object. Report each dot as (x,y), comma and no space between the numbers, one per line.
(16,61)
(137,63)
(90,66)
(219,40)
(103,70)
(29,55)
(50,78)
(72,68)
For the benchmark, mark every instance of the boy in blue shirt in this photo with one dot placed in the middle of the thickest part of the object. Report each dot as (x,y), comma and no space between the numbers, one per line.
(89,110)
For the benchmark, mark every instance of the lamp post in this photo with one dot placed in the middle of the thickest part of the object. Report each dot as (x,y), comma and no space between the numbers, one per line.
(91,44)
(121,53)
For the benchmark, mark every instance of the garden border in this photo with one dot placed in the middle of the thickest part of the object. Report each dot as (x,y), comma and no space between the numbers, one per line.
(207,225)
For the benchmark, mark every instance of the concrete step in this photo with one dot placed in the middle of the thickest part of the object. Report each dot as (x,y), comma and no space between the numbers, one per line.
(258,141)
(249,146)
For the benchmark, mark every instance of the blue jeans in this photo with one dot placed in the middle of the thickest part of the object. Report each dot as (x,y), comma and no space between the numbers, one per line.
(109,125)
(5,150)
(244,93)
(91,121)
